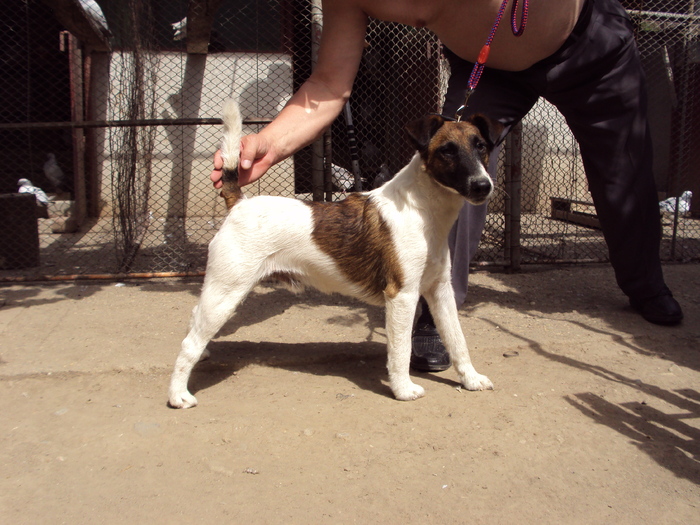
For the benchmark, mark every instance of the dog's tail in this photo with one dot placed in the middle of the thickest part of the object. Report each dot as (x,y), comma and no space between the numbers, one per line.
(230,152)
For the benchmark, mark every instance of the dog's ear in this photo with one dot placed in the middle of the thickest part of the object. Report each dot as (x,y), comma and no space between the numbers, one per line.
(490,129)
(422,130)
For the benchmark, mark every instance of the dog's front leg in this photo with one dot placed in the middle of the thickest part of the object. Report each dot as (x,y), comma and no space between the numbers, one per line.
(442,306)
(400,311)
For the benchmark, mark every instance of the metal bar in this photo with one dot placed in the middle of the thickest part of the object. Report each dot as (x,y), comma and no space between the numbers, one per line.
(317,146)
(507,224)
(328,166)
(669,76)
(686,91)
(127,123)
(513,187)
(352,143)
(99,276)
(658,14)
(516,151)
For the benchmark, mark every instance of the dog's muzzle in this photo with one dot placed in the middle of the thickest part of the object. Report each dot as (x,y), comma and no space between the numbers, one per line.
(479,189)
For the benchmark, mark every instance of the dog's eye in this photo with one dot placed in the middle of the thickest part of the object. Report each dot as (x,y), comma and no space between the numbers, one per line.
(481,146)
(449,149)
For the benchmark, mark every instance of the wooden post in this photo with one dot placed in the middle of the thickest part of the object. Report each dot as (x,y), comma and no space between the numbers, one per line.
(77,90)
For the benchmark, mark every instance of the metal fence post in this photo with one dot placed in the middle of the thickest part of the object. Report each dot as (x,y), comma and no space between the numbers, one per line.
(513,187)
(317,184)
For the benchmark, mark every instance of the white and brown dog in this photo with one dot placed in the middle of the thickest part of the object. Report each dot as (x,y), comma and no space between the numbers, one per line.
(387,246)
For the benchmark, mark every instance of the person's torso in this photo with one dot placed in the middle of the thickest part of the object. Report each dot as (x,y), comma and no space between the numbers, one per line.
(464,25)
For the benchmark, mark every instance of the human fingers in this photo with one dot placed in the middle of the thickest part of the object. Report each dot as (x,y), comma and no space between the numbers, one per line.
(217,172)
(258,168)
(255,159)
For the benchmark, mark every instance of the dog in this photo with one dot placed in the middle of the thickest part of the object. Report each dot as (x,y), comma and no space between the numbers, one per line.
(387,246)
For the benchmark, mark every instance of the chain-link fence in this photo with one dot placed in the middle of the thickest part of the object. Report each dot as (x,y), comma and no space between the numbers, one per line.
(114,114)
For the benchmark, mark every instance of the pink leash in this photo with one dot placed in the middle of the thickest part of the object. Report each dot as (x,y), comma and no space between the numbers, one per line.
(484,53)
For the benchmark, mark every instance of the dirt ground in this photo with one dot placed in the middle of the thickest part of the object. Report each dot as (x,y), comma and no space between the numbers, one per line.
(595,416)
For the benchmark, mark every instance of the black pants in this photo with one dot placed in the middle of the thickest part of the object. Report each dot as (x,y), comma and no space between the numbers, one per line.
(596,81)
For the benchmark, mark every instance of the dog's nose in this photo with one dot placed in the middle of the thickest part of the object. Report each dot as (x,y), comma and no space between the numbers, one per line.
(481,187)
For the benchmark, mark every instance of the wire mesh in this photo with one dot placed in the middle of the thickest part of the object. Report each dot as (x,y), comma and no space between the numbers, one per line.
(117,121)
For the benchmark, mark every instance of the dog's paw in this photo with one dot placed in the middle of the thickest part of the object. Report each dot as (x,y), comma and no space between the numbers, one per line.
(477,382)
(409,392)
(182,400)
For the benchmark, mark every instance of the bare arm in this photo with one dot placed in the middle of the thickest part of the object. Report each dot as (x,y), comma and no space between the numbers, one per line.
(317,102)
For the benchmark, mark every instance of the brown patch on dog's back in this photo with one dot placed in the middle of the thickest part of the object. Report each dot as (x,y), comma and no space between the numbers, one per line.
(356,236)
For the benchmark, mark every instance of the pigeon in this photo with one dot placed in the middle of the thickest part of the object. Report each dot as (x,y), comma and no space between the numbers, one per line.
(180,29)
(381,177)
(95,14)
(669,205)
(25,186)
(53,171)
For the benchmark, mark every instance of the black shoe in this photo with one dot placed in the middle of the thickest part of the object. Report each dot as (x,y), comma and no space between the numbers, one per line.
(428,354)
(661,309)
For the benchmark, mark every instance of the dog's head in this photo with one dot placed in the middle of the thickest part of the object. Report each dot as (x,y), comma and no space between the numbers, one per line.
(456,154)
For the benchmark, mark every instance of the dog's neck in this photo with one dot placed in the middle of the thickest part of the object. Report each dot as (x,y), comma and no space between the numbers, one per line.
(437,204)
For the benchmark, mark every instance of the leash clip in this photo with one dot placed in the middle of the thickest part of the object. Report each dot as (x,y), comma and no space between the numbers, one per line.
(460,109)
(484,53)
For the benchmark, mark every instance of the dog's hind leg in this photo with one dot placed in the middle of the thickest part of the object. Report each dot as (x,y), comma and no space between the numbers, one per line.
(214,309)
(400,311)
(441,301)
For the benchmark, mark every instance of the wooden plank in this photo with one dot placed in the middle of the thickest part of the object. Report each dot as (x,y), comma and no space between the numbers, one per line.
(200,18)
(561,210)
(72,15)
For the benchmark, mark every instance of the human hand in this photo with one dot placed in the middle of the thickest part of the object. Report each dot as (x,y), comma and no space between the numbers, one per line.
(257,156)
(218,170)
(255,159)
